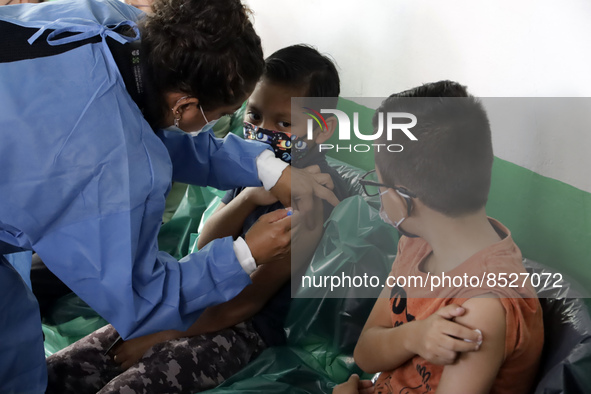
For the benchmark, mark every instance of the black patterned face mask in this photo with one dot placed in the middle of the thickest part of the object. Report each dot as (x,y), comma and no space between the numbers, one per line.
(280,141)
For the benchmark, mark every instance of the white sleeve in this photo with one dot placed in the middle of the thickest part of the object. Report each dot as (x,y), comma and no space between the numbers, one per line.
(244,255)
(269,169)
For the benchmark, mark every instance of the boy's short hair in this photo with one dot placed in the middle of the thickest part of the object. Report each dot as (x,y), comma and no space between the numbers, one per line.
(449,166)
(302,65)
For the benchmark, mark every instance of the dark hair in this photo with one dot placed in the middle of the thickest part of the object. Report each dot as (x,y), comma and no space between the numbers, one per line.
(204,48)
(449,166)
(302,65)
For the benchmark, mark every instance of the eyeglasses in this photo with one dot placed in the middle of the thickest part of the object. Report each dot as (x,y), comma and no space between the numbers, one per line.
(371,187)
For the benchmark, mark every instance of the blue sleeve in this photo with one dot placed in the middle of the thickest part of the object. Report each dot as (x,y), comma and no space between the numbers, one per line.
(95,225)
(84,182)
(105,248)
(104,12)
(141,292)
(204,160)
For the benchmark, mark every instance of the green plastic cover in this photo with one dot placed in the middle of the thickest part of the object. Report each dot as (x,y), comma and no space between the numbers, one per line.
(69,320)
(322,331)
(175,235)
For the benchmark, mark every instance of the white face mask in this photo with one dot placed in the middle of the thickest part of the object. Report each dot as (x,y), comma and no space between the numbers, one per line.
(208,124)
(208,127)
(384,216)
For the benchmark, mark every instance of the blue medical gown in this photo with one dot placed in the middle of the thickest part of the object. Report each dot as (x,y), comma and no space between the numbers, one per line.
(83,181)
(22,262)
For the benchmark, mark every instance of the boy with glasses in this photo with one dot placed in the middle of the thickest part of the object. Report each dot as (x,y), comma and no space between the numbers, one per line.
(470,338)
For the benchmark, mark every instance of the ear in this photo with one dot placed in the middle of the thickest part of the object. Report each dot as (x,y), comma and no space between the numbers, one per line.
(179,101)
(325,135)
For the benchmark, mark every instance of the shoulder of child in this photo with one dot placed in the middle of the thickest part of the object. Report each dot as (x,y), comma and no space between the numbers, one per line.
(475,372)
(485,312)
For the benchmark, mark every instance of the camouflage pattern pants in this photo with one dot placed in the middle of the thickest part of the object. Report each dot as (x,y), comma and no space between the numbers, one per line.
(185,365)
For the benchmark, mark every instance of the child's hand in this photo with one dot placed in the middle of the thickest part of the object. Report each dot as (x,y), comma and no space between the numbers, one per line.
(131,351)
(438,339)
(354,386)
(259,196)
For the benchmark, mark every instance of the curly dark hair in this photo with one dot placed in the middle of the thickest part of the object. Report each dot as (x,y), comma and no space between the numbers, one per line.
(204,48)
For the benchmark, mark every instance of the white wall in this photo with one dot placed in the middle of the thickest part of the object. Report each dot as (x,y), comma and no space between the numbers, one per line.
(501,48)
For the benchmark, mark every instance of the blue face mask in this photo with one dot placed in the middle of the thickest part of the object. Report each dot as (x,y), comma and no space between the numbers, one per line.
(285,145)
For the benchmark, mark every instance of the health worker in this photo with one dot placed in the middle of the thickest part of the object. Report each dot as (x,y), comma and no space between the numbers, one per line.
(86,90)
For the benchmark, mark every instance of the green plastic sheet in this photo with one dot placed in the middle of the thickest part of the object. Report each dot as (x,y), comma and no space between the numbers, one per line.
(175,235)
(322,331)
(69,320)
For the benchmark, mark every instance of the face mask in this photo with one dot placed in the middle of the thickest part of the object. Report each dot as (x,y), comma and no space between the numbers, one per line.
(208,127)
(208,124)
(280,142)
(384,216)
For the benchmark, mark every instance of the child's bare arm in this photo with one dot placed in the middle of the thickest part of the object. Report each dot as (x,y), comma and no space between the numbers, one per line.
(382,347)
(227,220)
(266,281)
(475,372)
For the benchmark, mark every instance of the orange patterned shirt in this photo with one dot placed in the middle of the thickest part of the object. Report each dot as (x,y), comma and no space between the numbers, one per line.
(523,314)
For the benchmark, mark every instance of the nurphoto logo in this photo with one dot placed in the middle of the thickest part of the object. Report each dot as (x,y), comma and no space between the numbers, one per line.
(392,124)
